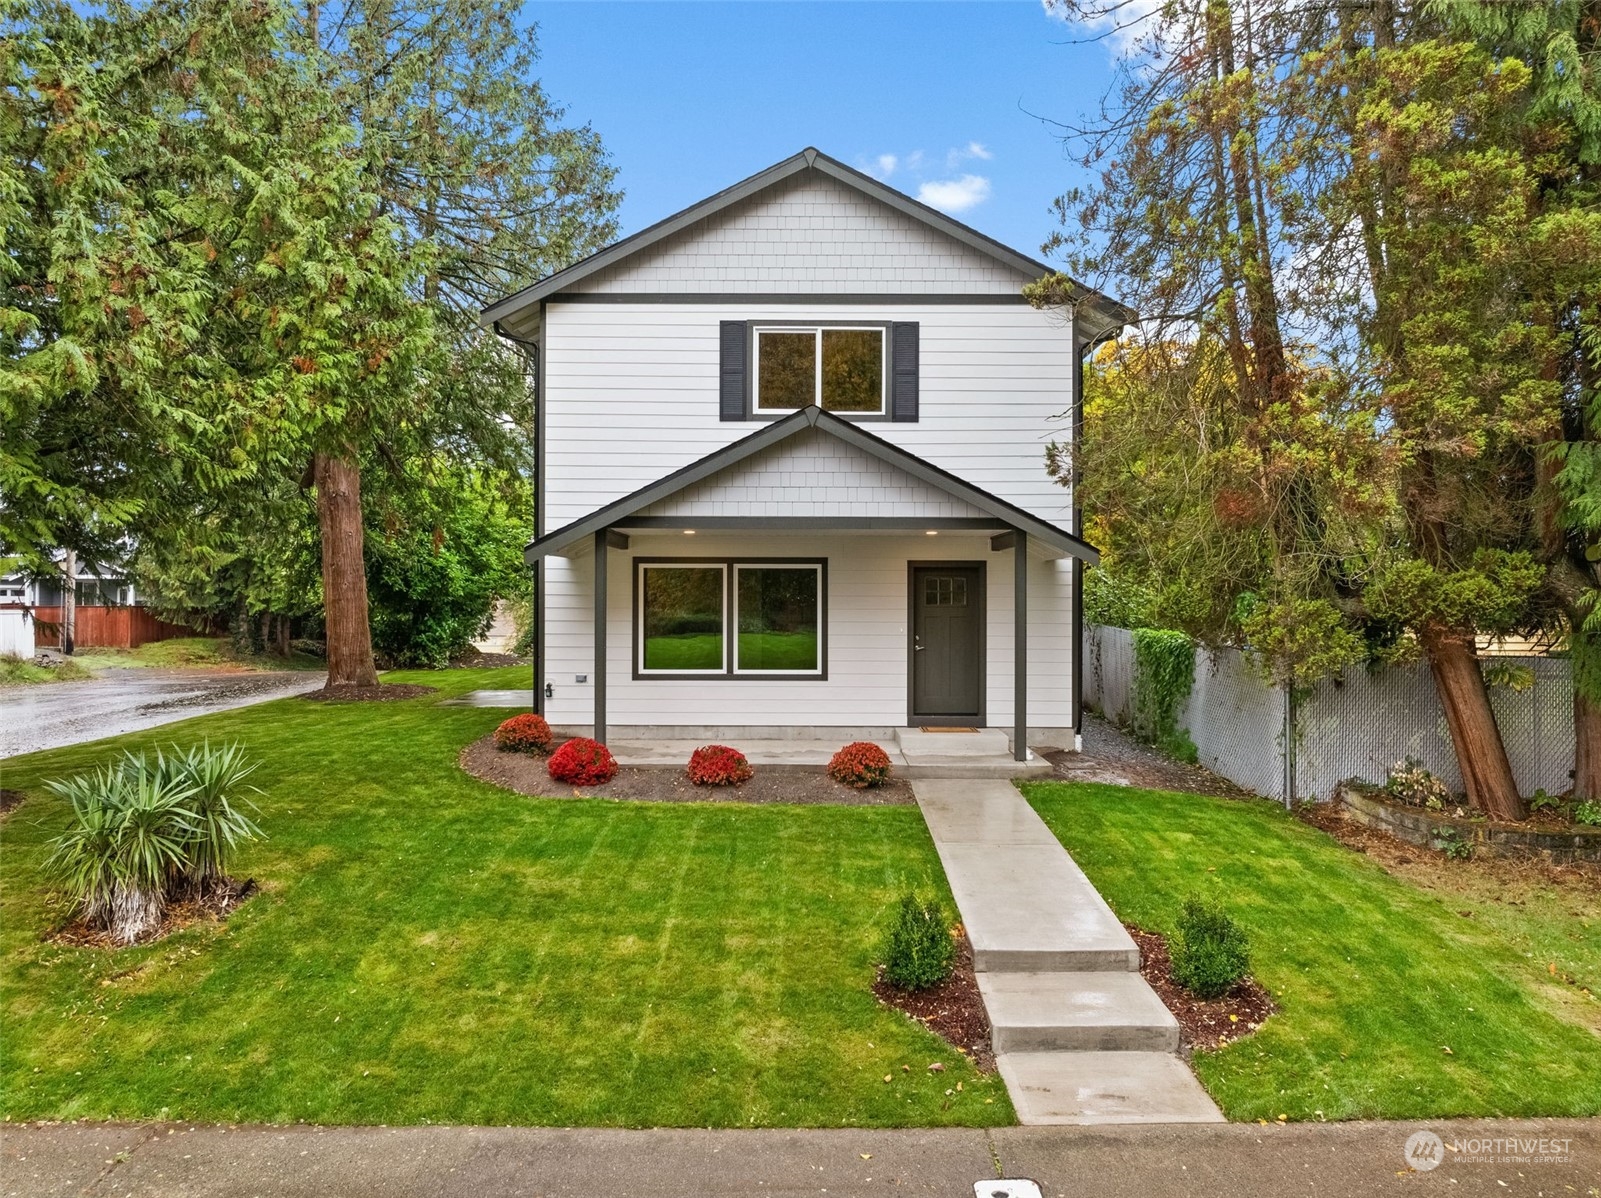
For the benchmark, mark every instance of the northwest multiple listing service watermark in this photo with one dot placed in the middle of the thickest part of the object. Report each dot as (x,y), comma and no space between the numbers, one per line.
(1425,1150)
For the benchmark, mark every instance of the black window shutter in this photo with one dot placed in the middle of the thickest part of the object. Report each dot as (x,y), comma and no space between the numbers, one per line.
(903,370)
(731,377)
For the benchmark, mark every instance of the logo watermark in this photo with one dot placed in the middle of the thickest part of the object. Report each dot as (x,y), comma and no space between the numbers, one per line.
(1425,1150)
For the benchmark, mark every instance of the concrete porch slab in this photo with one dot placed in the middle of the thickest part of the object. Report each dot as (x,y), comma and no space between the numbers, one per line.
(1104,1087)
(934,745)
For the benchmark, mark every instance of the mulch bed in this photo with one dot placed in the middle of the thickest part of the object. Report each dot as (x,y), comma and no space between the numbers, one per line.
(211,906)
(525,773)
(475,660)
(1203,1022)
(382,693)
(953,1010)
(9,799)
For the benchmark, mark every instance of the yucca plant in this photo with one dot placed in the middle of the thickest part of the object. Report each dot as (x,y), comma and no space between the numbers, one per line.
(216,780)
(125,845)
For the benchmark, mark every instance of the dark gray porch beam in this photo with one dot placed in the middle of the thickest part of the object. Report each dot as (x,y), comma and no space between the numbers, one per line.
(1020,646)
(601,538)
(615,539)
(1002,541)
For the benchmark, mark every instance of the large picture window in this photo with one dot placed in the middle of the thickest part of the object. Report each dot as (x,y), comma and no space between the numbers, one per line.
(730,618)
(681,619)
(838,368)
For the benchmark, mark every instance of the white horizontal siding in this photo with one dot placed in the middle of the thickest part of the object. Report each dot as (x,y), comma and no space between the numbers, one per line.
(867,640)
(808,233)
(630,395)
(816,475)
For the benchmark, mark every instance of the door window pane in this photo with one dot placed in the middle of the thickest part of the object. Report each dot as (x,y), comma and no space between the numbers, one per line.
(681,613)
(853,370)
(944,592)
(778,619)
(786,369)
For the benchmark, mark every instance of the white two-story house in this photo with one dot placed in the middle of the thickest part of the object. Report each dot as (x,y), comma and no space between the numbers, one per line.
(791,473)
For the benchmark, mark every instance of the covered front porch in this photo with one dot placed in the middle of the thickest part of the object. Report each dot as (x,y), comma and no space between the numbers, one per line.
(811,581)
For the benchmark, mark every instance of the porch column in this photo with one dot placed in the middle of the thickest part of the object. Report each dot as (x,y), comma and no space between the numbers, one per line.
(601,546)
(1020,645)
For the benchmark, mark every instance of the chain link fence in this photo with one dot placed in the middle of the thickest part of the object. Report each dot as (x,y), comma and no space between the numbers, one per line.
(1356,726)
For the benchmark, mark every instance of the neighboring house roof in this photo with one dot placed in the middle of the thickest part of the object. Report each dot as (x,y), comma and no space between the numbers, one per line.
(1110,311)
(618,512)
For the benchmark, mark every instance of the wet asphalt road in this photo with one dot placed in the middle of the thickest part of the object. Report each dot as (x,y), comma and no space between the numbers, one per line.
(49,715)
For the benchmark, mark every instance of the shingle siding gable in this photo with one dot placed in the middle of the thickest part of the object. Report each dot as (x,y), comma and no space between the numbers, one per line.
(812,475)
(808,234)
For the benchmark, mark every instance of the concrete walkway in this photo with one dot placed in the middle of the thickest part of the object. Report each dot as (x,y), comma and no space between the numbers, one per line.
(1337,1160)
(1079,1036)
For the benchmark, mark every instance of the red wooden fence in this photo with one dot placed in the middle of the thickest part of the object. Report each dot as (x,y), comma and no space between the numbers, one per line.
(110,627)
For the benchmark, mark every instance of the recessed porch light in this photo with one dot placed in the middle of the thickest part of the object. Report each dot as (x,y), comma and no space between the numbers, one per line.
(933,532)
(689,532)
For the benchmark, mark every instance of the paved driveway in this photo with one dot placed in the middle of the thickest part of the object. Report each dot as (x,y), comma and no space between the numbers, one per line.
(48,715)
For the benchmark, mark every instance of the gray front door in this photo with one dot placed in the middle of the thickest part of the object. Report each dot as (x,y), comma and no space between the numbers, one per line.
(947,644)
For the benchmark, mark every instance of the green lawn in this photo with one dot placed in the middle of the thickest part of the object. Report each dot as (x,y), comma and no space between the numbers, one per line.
(1375,978)
(14,671)
(430,948)
(189,652)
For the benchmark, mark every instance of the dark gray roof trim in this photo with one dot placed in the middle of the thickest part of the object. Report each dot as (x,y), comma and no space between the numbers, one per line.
(618,511)
(807,160)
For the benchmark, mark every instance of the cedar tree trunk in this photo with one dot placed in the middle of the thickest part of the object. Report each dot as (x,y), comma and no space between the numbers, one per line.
(1480,753)
(344,572)
(69,603)
(1586,748)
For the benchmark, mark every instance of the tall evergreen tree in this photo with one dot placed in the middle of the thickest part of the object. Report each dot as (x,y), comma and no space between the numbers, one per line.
(1560,43)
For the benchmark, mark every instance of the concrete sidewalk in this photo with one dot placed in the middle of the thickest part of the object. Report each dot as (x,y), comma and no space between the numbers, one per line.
(1347,1160)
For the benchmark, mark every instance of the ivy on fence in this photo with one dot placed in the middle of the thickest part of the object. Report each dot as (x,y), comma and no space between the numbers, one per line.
(1164,673)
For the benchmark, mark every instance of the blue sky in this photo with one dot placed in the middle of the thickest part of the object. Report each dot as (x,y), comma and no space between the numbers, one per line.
(942,100)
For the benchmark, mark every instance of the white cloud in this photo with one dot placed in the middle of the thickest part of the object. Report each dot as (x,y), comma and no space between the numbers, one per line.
(955,195)
(1122,24)
(973,149)
(886,165)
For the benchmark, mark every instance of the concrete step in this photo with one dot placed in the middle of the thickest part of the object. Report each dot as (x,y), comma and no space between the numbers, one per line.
(1000,769)
(1076,1012)
(1104,1087)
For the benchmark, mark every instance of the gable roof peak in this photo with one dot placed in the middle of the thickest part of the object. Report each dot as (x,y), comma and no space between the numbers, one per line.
(808,159)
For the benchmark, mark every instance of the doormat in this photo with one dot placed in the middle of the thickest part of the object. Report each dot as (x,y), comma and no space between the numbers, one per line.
(926,728)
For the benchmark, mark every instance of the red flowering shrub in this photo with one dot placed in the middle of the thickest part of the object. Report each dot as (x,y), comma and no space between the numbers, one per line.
(523,734)
(583,762)
(860,764)
(718,765)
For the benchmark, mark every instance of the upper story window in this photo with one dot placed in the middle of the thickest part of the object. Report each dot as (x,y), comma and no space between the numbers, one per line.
(840,368)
